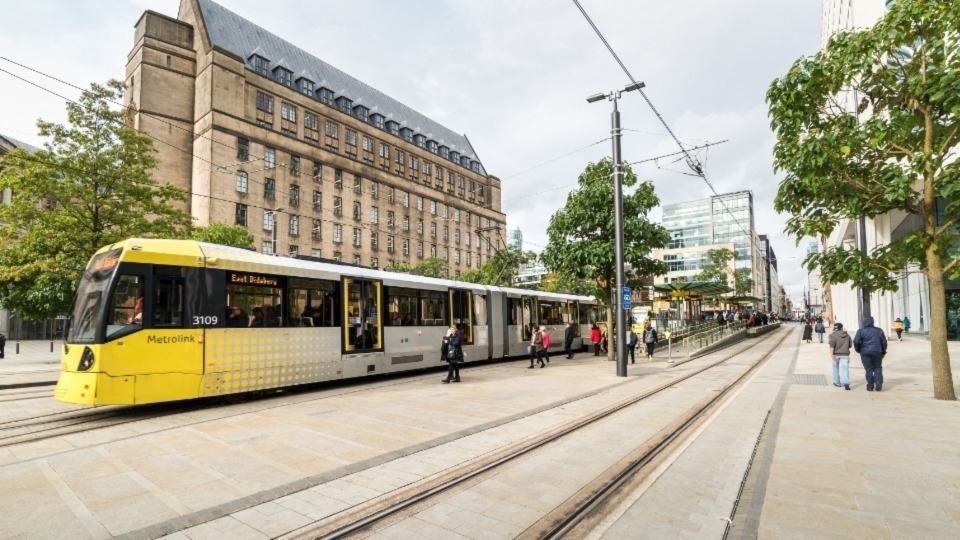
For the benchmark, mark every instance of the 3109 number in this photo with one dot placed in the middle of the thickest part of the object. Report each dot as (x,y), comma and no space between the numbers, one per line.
(205,320)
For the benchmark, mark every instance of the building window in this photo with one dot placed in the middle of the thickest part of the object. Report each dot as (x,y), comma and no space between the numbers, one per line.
(332,129)
(337,233)
(306,86)
(406,223)
(420,203)
(407,134)
(356,260)
(374,215)
(338,178)
(375,190)
(391,219)
(294,195)
(474,166)
(384,151)
(268,220)
(432,146)
(426,167)
(362,113)
(269,157)
(446,233)
(326,96)
(357,214)
(374,263)
(456,215)
(241,216)
(420,249)
(315,253)
(419,226)
(367,144)
(350,137)
(243,149)
(437,172)
(466,236)
(456,256)
(398,156)
(283,76)
(406,246)
(294,225)
(393,128)
(357,237)
(264,102)
(344,103)
(405,199)
(433,230)
(357,184)
(294,250)
(433,250)
(288,112)
(390,241)
(294,165)
(310,120)
(433,207)
(337,256)
(261,65)
(377,120)
(269,189)
(315,231)
(391,194)
(374,240)
(317,200)
(468,259)
(456,236)
(420,140)
(414,163)
(241,182)
(337,206)
(317,172)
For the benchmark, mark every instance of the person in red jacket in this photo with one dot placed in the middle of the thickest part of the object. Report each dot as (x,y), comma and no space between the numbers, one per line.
(595,337)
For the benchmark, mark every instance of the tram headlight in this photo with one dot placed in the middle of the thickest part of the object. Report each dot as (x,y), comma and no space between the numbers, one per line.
(86,360)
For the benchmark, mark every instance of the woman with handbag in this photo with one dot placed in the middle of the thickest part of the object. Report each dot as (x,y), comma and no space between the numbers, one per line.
(451,351)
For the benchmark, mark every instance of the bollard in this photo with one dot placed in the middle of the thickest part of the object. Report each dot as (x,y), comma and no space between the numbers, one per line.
(18,347)
(51,346)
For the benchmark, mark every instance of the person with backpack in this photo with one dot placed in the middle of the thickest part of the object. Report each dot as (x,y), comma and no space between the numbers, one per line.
(631,344)
(819,329)
(451,351)
(840,344)
(649,338)
(871,343)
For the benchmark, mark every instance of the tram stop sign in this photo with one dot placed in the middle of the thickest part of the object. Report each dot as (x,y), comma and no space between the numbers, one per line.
(627,296)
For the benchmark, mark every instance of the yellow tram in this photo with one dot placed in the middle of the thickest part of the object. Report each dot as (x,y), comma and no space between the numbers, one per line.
(164,320)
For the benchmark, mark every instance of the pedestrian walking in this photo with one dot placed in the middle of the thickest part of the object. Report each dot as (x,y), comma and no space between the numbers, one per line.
(649,338)
(536,348)
(604,341)
(545,345)
(451,351)
(531,350)
(3,342)
(906,324)
(631,344)
(568,340)
(871,343)
(840,344)
(898,328)
(808,332)
(820,329)
(595,339)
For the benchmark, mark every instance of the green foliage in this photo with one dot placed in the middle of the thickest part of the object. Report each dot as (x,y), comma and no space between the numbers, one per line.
(871,126)
(742,282)
(501,269)
(718,268)
(433,267)
(398,266)
(88,187)
(223,234)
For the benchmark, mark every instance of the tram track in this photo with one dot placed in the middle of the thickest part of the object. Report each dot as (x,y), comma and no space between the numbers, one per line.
(369,516)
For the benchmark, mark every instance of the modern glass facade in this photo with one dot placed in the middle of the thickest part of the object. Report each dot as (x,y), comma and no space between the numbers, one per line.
(723,219)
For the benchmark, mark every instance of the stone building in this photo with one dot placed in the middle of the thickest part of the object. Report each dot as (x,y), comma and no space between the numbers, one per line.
(263,134)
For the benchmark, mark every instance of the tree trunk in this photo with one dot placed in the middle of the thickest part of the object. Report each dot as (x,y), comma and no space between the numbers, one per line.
(611,333)
(939,354)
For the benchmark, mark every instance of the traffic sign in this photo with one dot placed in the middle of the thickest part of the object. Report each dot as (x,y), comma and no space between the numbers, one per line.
(627,296)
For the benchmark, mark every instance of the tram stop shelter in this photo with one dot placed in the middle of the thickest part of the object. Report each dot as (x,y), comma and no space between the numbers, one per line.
(743,300)
(690,295)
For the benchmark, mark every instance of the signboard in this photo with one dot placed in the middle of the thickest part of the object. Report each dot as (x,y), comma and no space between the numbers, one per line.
(627,296)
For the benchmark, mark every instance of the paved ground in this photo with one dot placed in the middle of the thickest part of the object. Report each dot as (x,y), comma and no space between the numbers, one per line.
(30,364)
(823,462)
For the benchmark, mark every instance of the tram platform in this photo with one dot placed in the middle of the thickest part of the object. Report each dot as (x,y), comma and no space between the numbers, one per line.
(30,364)
(788,456)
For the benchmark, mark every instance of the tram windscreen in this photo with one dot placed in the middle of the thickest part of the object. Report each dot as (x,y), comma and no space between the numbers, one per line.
(90,296)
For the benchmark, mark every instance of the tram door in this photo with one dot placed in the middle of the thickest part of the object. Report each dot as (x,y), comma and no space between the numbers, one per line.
(529,313)
(362,327)
(461,313)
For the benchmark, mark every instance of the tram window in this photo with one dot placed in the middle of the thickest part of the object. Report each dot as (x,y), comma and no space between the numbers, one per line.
(515,312)
(461,313)
(401,306)
(312,302)
(126,306)
(527,318)
(569,313)
(257,297)
(549,313)
(479,310)
(362,329)
(433,308)
(168,302)
(585,314)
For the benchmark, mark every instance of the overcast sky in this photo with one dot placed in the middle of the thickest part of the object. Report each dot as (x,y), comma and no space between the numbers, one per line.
(512,75)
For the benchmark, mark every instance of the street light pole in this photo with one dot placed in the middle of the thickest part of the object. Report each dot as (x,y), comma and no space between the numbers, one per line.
(273,218)
(621,336)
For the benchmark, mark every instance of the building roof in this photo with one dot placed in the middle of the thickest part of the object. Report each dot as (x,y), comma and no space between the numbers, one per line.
(239,36)
(18,144)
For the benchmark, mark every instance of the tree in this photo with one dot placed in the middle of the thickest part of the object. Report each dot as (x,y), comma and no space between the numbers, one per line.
(223,234)
(717,269)
(742,282)
(581,234)
(89,186)
(900,156)
(399,267)
(501,269)
(434,267)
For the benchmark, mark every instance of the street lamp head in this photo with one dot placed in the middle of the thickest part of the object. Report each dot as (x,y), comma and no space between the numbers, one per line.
(596,97)
(634,86)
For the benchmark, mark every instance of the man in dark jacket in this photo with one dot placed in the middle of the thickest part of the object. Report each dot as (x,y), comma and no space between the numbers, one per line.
(871,343)
(568,340)
(840,344)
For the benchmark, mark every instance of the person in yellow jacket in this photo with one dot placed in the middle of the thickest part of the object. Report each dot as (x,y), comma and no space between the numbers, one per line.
(898,328)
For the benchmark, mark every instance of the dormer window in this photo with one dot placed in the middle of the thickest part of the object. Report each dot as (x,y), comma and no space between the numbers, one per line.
(325,95)
(420,140)
(393,127)
(444,152)
(432,146)
(455,156)
(305,86)
(377,119)
(344,104)
(261,65)
(361,112)
(474,166)
(283,76)
(464,161)
(407,134)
